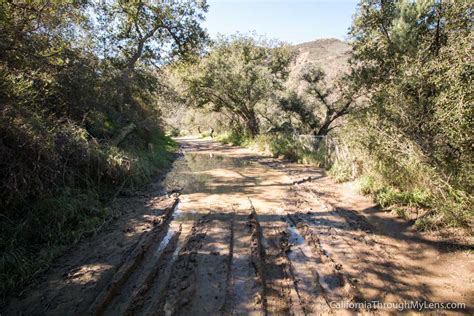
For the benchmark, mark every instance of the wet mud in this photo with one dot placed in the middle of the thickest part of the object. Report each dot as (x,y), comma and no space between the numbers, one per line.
(233,234)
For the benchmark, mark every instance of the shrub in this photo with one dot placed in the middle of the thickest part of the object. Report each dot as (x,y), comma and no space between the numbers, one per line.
(341,171)
(233,138)
(285,146)
(78,175)
(412,134)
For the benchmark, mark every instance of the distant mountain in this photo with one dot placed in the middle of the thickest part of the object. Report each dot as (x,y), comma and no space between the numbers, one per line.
(331,55)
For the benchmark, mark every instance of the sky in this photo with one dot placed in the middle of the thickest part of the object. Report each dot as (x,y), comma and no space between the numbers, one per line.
(292,21)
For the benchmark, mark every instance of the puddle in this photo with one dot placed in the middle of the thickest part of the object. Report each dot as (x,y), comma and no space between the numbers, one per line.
(215,182)
(209,173)
(164,242)
(180,221)
(299,250)
(180,216)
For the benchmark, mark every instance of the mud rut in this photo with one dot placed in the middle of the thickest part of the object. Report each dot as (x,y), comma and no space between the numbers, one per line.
(244,238)
(234,262)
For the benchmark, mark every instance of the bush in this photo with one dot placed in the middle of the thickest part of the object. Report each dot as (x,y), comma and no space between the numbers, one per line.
(389,196)
(341,171)
(76,123)
(233,138)
(76,177)
(278,145)
(205,134)
(442,206)
(174,132)
(412,135)
(284,146)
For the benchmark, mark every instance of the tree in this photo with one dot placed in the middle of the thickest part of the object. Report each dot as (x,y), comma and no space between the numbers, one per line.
(143,33)
(413,58)
(63,126)
(236,75)
(322,106)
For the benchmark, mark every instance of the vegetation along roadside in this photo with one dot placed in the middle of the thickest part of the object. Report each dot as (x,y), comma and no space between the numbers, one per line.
(79,117)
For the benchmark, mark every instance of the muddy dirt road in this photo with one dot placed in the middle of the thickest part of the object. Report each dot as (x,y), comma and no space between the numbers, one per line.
(230,232)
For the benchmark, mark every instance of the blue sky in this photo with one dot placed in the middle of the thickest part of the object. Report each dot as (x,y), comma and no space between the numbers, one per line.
(293,21)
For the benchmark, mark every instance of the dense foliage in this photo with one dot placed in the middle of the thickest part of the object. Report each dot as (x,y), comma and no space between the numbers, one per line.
(400,119)
(322,104)
(237,75)
(414,61)
(79,84)
(84,87)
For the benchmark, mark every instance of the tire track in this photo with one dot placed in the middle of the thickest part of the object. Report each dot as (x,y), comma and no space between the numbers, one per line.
(152,285)
(258,258)
(336,285)
(269,247)
(127,271)
(244,287)
(181,286)
(353,244)
(304,271)
(227,306)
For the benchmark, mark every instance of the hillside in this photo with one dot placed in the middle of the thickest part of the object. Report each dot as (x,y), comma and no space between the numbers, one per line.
(331,55)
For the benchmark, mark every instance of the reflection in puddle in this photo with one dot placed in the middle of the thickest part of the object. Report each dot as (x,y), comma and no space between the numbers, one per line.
(180,216)
(221,184)
(180,221)
(209,173)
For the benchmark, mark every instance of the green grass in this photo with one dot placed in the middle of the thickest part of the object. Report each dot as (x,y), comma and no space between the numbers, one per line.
(278,145)
(30,244)
(233,138)
(341,171)
(147,162)
(387,195)
(403,187)
(367,184)
(38,232)
(455,208)
(443,208)
(284,146)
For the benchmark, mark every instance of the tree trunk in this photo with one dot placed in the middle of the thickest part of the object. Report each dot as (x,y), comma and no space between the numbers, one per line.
(324,129)
(252,125)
